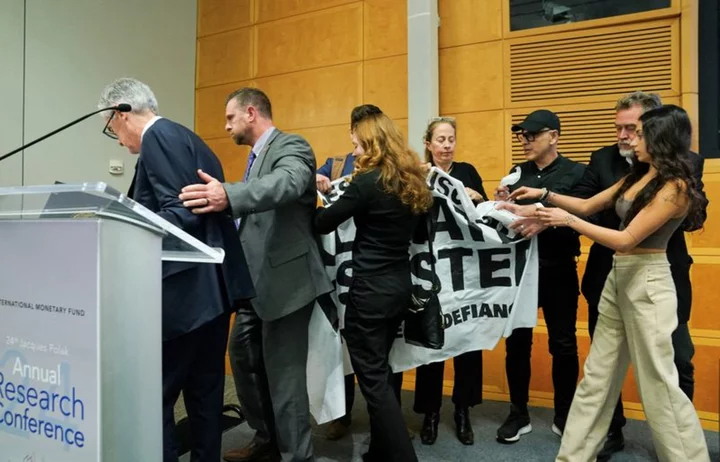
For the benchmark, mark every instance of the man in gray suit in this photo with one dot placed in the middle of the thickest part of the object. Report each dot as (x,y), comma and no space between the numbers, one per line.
(275,204)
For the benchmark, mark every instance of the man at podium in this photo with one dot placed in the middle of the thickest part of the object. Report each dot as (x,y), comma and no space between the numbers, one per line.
(197,298)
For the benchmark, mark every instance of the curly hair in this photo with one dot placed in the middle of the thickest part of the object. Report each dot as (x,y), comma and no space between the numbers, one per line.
(400,171)
(668,133)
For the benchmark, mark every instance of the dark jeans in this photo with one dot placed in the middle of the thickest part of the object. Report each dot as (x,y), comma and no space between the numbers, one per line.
(684,352)
(467,385)
(194,363)
(558,297)
(350,394)
(375,307)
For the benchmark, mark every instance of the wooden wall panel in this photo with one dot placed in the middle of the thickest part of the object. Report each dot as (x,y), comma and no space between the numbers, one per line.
(494,379)
(582,316)
(210,109)
(583,66)
(710,235)
(385,84)
(403,126)
(328,141)
(707,376)
(278,9)
(221,15)
(315,40)
(480,142)
(461,71)
(315,98)
(463,22)
(385,28)
(704,311)
(225,57)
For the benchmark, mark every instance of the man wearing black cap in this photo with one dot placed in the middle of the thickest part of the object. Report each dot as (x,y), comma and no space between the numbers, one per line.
(558,280)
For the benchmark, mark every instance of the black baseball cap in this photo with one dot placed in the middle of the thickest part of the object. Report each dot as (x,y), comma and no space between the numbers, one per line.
(538,120)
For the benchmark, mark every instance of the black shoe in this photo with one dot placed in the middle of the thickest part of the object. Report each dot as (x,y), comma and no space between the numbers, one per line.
(367,457)
(463,429)
(516,425)
(429,431)
(615,442)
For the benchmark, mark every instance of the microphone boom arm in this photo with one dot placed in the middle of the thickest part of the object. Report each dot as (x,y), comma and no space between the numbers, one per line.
(119,107)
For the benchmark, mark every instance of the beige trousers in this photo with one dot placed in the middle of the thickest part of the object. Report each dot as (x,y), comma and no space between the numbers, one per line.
(638,314)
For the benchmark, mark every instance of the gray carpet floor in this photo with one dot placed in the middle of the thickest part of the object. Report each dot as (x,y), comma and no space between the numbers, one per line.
(540,445)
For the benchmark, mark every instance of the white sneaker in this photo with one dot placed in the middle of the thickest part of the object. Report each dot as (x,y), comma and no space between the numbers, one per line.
(556,430)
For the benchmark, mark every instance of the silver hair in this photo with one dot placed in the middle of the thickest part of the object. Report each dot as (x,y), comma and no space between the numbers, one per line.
(129,91)
(646,100)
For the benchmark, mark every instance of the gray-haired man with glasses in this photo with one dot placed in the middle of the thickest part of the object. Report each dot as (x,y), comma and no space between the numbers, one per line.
(197,298)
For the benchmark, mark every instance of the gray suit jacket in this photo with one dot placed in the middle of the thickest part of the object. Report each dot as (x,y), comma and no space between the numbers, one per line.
(276,207)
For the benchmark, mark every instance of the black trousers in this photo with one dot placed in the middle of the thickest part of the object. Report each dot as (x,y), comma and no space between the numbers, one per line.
(684,352)
(375,308)
(194,364)
(350,394)
(467,385)
(558,297)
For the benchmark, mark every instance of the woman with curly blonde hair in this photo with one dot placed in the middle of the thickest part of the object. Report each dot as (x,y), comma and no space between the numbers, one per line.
(387,197)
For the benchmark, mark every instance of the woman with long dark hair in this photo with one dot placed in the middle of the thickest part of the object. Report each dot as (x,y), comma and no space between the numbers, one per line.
(386,198)
(637,310)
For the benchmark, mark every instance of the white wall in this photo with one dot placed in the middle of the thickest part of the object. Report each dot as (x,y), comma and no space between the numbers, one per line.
(72,49)
(11,83)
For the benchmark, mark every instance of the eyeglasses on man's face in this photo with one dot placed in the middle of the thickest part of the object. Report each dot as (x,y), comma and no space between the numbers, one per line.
(108,131)
(529,137)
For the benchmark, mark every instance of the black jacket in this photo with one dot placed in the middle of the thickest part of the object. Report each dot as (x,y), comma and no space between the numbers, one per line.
(192,293)
(606,168)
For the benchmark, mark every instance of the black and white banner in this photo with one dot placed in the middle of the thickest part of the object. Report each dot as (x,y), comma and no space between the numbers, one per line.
(488,277)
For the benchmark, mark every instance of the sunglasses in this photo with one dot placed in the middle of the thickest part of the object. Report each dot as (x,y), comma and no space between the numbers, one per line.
(530,137)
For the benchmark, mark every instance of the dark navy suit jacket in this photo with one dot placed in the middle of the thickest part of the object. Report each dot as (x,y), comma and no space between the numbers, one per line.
(326,169)
(192,293)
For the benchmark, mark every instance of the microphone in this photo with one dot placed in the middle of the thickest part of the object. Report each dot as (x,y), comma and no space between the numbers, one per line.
(123,107)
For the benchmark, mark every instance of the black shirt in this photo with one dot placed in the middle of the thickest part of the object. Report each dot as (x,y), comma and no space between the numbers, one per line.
(562,244)
(468,176)
(384,225)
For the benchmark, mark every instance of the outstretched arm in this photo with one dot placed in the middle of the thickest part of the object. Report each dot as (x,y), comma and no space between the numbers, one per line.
(574,205)
(670,202)
(290,176)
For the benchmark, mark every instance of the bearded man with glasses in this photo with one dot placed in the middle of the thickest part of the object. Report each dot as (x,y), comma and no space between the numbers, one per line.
(558,281)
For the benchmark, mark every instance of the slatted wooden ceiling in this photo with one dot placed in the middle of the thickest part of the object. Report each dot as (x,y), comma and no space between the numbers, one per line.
(597,63)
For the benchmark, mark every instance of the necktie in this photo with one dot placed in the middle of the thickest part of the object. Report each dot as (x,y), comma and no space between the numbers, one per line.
(251,160)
